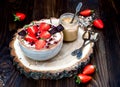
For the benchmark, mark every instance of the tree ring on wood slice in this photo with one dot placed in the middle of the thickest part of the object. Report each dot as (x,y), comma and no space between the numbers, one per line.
(62,65)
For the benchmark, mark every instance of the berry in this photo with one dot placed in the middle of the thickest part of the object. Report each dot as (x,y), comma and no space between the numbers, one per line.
(19,16)
(39,44)
(98,23)
(45,35)
(44,26)
(89,69)
(86,12)
(30,38)
(32,29)
(81,78)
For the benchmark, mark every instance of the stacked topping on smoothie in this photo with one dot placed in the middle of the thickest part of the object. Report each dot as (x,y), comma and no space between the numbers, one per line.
(40,35)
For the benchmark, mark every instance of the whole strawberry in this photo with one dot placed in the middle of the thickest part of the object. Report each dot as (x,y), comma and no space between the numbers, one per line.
(19,16)
(98,23)
(86,12)
(89,69)
(82,78)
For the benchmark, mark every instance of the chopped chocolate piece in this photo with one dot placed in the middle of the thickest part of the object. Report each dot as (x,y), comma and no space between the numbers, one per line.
(53,31)
(60,28)
(22,33)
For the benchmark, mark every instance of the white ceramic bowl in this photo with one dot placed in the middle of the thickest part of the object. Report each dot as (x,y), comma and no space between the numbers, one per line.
(43,54)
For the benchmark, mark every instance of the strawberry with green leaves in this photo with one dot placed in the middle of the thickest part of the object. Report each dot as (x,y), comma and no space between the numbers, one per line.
(86,12)
(82,78)
(19,16)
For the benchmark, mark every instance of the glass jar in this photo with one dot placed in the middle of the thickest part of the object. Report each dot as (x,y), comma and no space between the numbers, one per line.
(70,29)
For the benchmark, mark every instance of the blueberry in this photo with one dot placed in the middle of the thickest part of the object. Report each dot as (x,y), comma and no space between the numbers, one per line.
(47,46)
(50,39)
(55,42)
(32,43)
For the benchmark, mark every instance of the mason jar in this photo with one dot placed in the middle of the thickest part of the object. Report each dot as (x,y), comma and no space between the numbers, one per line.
(70,29)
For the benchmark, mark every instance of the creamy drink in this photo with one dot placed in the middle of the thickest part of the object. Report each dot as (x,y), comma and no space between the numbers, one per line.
(70,29)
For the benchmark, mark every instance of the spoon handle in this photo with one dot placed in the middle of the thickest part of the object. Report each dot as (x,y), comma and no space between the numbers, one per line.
(77,10)
(78,7)
(77,50)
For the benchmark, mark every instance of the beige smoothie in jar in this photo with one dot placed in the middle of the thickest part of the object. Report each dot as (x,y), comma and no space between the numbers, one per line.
(70,29)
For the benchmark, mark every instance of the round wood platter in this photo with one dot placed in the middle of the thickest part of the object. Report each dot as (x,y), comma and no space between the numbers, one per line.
(62,65)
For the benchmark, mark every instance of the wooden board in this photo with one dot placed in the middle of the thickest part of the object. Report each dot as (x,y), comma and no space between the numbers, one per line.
(62,65)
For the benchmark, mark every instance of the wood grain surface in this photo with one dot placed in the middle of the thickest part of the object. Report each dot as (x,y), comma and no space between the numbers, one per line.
(106,55)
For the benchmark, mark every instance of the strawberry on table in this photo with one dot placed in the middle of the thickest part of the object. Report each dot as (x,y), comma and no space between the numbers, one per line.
(19,16)
(81,78)
(30,38)
(98,23)
(39,44)
(32,29)
(45,35)
(44,26)
(86,12)
(89,69)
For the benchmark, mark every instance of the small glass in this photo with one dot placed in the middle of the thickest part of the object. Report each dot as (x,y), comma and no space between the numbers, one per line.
(70,29)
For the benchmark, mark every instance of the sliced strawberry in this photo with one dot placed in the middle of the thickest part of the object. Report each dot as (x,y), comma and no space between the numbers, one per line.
(32,29)
(45,35)
(39,44)
(98,23)
(30,38)
(89,69)
(44,26)
(81,78)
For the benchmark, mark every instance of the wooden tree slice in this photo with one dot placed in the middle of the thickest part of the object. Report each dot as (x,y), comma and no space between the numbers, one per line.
(62,65)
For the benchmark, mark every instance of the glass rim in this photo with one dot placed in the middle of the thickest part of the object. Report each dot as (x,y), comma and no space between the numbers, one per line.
(65,15)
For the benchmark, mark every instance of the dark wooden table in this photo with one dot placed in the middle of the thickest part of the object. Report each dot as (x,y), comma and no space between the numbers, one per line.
(106,55)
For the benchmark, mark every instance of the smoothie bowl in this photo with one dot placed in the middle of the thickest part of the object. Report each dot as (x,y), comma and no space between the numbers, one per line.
(40,40)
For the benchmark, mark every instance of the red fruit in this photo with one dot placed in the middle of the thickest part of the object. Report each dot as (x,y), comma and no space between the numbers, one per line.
(32,30)
(44,26)
(81,78)
(19,16)
(39,44)
(30,38)
(45,35)
(86,12)
(89,69)
(98,23)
